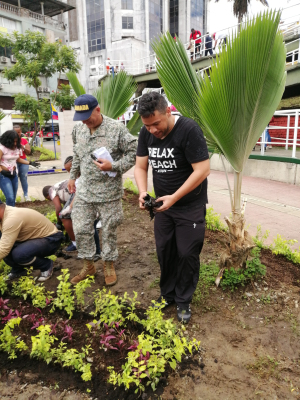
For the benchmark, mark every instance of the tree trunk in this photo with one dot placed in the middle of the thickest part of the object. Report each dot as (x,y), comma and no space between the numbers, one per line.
(238,243)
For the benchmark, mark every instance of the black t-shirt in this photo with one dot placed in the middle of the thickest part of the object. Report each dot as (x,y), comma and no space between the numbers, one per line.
(171,159)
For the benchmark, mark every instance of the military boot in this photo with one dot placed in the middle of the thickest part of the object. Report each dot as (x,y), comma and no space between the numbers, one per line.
(109,273)
(88,269)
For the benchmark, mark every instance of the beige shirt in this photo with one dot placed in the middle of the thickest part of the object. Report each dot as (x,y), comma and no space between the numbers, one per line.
(21,224)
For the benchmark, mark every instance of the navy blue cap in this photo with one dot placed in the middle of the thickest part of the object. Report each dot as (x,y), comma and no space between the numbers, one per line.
(84,106)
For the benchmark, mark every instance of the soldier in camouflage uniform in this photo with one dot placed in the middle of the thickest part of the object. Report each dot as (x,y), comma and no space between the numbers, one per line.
(98,192)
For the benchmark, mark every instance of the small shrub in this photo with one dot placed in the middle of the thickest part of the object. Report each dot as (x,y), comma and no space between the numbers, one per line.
(283,246)
(130,186)
(45,153)
(255,269)
(3,198)
(65,298)
(259,238)
(213,220)
(207,277)
(52,217)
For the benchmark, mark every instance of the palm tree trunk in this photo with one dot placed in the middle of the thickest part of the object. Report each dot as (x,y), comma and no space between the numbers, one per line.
(238,243)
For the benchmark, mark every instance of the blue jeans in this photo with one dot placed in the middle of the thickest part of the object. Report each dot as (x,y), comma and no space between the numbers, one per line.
(32,253)
(96,237)
(23,172)
(267,137)
(9,187)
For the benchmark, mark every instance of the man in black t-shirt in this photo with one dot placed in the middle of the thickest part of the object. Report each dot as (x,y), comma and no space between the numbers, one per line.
(176,150)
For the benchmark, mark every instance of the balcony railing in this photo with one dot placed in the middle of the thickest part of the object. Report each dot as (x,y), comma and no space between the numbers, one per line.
(24,12)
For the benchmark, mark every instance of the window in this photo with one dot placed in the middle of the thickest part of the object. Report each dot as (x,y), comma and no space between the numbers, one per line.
(155,18)
(127,5)
(127,22)
(174,17)
(95,25)
(38,29)
(9,25)
(197,15)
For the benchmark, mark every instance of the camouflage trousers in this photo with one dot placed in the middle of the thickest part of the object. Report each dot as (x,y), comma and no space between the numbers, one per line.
(83,218)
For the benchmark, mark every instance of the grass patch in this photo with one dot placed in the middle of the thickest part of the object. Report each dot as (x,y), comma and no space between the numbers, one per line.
(265,367)
(130,186)
(155,283)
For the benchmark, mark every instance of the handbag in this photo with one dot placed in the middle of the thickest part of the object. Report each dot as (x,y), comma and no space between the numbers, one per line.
(8,174)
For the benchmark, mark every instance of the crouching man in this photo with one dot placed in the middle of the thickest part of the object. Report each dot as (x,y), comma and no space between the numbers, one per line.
(27,237)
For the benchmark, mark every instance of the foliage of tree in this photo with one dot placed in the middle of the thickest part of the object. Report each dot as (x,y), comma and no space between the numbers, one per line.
(37,57)
(30,106)
(63,97)
(233,105)
(240,7)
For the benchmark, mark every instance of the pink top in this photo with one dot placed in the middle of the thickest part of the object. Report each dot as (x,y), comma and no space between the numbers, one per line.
(9,157)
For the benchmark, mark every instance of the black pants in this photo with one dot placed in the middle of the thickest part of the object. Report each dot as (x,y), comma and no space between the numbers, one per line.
(179,236)
(208,51)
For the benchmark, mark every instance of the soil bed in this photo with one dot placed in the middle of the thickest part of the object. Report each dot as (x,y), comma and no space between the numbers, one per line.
(249,337)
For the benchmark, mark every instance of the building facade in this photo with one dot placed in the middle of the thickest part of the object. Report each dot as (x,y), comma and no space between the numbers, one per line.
(124,29)
(20,16)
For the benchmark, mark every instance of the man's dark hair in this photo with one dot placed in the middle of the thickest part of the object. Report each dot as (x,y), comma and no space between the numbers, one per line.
(8,138)
(46,191)
(150,102)
(192,29)
(68,159)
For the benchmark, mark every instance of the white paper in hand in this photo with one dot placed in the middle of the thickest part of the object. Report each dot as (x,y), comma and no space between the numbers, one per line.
(102,152)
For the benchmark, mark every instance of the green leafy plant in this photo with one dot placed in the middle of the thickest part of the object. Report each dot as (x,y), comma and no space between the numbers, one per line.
(52,217)
(283,246)
(65,298)
(108,306)
(207,277)
(41,344)
(254,270)
(25,287)
(3,284)
(260,238)
(130,186)
(63,97)
(72,358)
(46,154)
(3,198)
(213,220)
(163,344)
(80,289)
(10,343)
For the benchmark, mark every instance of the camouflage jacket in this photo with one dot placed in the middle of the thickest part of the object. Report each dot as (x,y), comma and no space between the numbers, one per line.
(94,185)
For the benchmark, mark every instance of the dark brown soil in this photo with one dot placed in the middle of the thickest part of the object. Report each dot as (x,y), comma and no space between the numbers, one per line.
(249,338)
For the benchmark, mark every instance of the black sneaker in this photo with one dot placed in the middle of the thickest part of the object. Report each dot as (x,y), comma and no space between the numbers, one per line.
(184,314)
(161,301)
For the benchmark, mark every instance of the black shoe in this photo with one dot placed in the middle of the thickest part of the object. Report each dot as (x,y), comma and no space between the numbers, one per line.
(162,303)
(184,314)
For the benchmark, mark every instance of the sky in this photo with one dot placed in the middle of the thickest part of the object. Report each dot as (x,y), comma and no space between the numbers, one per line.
(221,13)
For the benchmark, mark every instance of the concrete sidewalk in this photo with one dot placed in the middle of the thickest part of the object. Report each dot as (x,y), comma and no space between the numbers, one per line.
(273,205)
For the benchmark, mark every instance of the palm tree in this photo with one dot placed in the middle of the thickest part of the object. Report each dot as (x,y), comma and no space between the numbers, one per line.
(114,96)
(240,8)
(233,105)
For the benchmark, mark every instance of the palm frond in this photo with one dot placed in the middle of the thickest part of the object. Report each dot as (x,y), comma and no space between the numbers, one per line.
(135,124)
(2,115)
(76,85)
(234,105)
(177,76)
(115,94)
(244,89)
